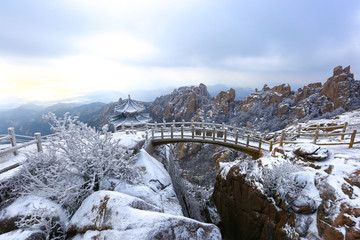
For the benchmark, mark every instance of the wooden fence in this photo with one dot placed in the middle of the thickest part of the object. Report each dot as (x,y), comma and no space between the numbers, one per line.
(16,145)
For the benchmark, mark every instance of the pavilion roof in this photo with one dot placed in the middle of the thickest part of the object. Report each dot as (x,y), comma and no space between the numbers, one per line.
(129,106)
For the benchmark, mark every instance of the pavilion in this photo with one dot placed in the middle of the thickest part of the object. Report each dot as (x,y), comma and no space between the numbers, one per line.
(129,114)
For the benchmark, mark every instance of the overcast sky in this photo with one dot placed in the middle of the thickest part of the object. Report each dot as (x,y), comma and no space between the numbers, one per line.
(57,49)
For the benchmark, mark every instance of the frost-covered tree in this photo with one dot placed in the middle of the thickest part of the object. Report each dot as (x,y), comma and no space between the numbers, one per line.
(75,162)
(281,181)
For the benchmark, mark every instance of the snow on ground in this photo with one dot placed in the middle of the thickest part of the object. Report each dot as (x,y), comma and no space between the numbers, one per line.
(27,205)
(157,187)
(130,140)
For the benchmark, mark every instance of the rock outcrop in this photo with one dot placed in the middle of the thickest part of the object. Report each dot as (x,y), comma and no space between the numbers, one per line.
(182,103)
(341,88)
(247,213)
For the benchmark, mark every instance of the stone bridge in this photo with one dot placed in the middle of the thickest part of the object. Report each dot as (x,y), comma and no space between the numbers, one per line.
(240,139)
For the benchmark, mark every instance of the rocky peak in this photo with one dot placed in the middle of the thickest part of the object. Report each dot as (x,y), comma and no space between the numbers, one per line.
(341,88)
(182,103)
(283,89)
(223,102)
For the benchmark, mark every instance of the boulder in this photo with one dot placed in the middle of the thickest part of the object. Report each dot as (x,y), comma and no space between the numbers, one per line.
(114,215)
(311,151)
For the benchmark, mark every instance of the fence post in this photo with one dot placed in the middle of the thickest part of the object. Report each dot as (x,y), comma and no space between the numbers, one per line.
(344,130)
(225,134)
(155,125)
(213,124)
(174,122)
(282,138)
(183,122)
(223,126)
(247,140)
(182,131)
(172,131)
(152,133)
(316,134)
(39,142)
(204,131)
(259,144)
(275,136)
(352,140)
(192,130)
(214,133)
(265,134)
(11,132)
(236,136)
(299,130)
(271,146)
(162,132)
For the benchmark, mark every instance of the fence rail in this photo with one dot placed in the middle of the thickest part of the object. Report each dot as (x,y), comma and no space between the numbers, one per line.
(16,144)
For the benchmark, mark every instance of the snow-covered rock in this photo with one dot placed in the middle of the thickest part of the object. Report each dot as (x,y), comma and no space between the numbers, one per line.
(311,151)
(114,215)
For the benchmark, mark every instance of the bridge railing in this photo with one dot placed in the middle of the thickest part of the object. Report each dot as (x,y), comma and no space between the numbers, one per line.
(205,131)
(235,134)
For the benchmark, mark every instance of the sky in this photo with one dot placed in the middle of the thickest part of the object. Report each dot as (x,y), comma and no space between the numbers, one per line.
(61,49)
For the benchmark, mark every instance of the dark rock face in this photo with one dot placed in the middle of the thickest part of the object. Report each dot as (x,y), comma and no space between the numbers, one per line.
(246,213)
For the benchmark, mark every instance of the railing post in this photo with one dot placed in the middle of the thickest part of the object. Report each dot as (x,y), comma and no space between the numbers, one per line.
(236,136)
(192,130)
(316,134)
(172,131)
(155,125)
(225,134)
(352,140)
(259,144)
(271,146)
(38,141)
(183,123)
(247,140)
(213,124)
(11,132)
(344,130)
(223,126)
(182,131)
(299,130)
(265,134)
(275,136)
(174,122)
(214,133)
(153,133)
(282,138)
(162,132)
(146,135)
(204,132)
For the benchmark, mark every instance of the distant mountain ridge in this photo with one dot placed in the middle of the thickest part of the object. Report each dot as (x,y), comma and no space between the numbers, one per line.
(265,109)
(28,119)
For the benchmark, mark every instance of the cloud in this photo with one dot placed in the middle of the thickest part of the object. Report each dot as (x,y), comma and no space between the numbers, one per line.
(87,45)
